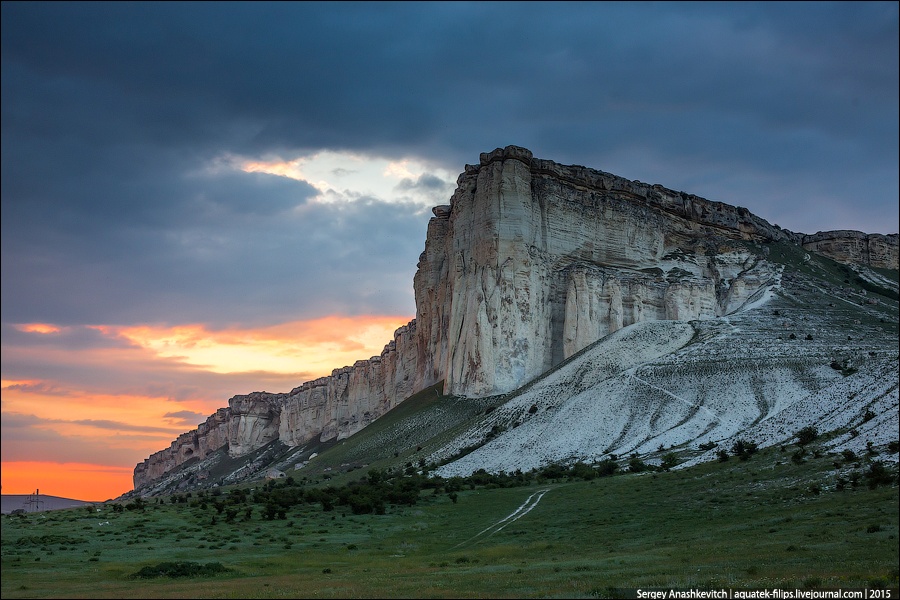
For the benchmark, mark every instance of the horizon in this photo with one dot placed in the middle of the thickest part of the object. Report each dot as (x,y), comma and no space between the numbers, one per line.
(233,198)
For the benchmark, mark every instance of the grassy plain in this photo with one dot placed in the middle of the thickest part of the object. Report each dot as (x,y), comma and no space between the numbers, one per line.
(766,522)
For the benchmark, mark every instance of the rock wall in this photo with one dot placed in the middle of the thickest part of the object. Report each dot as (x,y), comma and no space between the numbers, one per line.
(872,249)
(330,407)
(543,259)
(529,263)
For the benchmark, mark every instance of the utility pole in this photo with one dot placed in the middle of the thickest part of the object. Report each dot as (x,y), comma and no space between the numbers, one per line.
(34,502)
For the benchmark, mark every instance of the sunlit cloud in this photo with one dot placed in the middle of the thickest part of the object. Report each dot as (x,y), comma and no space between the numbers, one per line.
(44,328)
(45,420)
(345,176)
(312,346)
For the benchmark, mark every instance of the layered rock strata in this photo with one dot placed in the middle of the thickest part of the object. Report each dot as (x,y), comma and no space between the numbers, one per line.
(871,249)
(332,407)
(529,263)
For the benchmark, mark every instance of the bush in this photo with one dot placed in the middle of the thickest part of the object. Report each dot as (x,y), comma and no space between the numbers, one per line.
(807,435)
(180,569)
(723,455)
(669,461)
(582,471)
(744,449)
(636,465)
(878,474)
(606,467)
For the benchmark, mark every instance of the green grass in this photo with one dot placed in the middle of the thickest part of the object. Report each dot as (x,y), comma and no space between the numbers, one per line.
(740,524)
(409,432)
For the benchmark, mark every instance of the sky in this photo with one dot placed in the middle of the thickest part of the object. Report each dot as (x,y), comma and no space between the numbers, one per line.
(208,199)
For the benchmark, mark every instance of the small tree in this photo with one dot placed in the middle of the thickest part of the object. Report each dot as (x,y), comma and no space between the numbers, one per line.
(878,474)
(606,467)
(744,449)
(669,461)
(636,465)
(807,435)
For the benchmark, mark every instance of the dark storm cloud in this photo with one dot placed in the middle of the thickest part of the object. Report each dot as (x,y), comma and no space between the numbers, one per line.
(114,113)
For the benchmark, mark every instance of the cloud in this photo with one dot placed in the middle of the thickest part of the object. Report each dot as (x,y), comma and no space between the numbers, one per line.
(185,418)
(29,438)
(125,202)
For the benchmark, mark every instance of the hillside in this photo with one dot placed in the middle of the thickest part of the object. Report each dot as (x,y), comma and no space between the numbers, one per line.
(768,522)
(37,503)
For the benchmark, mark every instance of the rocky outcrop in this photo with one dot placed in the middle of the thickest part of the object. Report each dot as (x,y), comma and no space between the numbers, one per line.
(543,259)
(529,263)
(332,407)
(871,249)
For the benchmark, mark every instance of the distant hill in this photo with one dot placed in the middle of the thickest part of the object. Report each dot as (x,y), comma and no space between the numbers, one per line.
(43,503)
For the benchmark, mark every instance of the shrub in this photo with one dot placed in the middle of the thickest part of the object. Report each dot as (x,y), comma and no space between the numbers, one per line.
(849,455)
(708,446)
(870,449)
(582,471)
(723,455)
(878,474)
(807,435)
(744,449)
(606,467)
(669,461)
(180,569)
(636,465)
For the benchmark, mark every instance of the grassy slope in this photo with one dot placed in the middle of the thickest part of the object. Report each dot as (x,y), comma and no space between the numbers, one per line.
(735,524)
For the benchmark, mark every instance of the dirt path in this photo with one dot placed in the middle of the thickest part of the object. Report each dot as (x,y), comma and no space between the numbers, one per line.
(512,517)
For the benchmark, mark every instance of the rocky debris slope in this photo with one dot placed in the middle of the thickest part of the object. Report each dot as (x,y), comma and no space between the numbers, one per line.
(798,356)
(530,263)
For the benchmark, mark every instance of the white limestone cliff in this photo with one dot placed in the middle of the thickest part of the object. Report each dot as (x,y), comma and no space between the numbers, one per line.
(530,262)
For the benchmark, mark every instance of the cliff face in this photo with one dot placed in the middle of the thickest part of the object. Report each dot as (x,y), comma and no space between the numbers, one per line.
(529,263)
(539,260)
(872,249)
(332,407)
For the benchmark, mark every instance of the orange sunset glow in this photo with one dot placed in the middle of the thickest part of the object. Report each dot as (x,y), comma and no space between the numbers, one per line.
(92,483)
(78,434)
(318,345)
